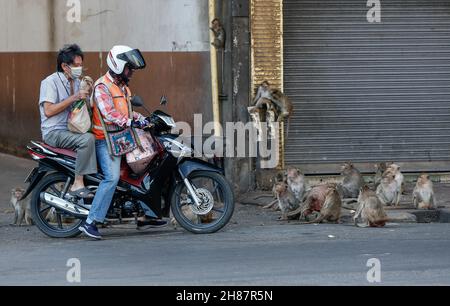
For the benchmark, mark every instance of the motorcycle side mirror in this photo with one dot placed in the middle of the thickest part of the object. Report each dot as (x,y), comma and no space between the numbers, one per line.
(137,101)
(163,100)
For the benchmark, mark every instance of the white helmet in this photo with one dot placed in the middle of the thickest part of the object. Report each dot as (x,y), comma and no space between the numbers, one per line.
(119,56)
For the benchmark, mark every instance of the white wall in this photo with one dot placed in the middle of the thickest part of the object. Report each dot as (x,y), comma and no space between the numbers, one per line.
(150,25)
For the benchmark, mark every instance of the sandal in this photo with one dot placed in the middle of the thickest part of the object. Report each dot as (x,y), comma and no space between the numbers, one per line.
(83,193)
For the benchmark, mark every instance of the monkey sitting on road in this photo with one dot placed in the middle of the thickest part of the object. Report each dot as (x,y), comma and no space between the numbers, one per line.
(331,209)
(296,182)
(352,182)
(21,207)
(380,167)
(315,199)
(423,194)
(286,199)
(387,191)
(370,209)
(399,179)
(280,177)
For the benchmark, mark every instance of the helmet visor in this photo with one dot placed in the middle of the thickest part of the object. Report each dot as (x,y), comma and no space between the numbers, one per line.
(133,58)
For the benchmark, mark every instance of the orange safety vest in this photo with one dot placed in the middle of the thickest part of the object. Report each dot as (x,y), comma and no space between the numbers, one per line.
(121,102)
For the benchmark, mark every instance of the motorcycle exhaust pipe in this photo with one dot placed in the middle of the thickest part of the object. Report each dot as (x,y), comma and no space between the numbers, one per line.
(73,209)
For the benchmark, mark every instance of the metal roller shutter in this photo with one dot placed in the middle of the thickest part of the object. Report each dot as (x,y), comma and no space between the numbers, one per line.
(368,92)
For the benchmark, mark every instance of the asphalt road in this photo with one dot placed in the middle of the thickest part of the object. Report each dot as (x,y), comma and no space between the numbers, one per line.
(254,249)
(410,254)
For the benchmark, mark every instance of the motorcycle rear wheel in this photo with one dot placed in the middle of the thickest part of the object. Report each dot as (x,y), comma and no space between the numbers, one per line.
(217,192)
(57,224)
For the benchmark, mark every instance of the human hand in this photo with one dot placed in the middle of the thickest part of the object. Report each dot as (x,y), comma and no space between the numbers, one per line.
(81,95)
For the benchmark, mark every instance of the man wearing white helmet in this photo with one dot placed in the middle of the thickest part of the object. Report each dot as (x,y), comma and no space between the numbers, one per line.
(112,112)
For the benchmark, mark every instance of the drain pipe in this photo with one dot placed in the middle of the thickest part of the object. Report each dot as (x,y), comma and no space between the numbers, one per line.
(214,77)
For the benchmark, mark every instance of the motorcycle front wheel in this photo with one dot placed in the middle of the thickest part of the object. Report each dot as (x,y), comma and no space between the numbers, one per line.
(217,203)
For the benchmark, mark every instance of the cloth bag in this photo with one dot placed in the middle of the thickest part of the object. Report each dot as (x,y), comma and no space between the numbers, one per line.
(122,141)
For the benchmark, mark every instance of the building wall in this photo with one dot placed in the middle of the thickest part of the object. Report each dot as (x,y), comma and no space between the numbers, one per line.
(172,34)
(267,42)
(267,52)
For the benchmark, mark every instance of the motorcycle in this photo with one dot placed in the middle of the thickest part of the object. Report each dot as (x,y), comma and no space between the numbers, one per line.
(194,190)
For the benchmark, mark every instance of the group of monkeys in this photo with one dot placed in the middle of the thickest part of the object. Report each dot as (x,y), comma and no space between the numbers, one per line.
(324,202)
(270,105)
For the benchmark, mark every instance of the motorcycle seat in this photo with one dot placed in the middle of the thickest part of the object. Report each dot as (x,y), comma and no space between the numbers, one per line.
(65,152)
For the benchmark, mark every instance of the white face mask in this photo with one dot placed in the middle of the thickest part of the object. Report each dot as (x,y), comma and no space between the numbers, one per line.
(76,72)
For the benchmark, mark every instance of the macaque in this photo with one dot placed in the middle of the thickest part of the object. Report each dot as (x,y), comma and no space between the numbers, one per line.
(380,167)
(219,34)
(286,199)
(399,179)
(388,191)
(423,195)
(283,103)
(296,182)
(263,97)
(280,177)
(352,182)
(270,105)
(331,209)
(370,209)
(21,207)
(313,203)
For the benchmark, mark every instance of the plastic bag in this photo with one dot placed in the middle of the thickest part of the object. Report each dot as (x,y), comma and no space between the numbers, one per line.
(79,120)
(139,160)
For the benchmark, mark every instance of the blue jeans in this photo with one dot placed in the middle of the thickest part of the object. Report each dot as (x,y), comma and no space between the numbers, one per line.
(111,170)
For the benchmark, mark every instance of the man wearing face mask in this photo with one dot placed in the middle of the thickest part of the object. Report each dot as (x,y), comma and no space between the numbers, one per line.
(59,92)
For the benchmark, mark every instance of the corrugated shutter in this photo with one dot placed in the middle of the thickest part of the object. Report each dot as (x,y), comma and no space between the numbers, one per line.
(368,92)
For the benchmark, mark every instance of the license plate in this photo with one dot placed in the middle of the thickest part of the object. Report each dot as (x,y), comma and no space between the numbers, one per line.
(32,173)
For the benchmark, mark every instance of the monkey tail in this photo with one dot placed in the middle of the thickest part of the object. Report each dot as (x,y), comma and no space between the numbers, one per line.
(317,220)
(295,212)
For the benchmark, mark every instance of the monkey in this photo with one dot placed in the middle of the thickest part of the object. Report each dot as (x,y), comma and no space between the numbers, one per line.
(286,199)
(352,182)
(399,179)
(284,105)
(423,195)
(263,97)
(261,105)
(314,201)
(370,209)
(21,207)
(280,177)
(380,168)
(296,182)
(219,34)
(272,103)
(331,209)
(387,191)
